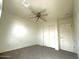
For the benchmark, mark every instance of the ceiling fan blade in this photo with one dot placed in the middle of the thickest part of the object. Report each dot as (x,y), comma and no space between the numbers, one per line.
(43,19)
(37,19)
(44,14)
(32,17)
(31,9)
(34,13)
(42,11)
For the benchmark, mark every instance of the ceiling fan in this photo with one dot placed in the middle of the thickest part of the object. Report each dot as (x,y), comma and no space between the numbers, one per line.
(38,15)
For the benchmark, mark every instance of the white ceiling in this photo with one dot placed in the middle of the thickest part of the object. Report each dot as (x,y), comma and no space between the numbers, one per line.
(54,8)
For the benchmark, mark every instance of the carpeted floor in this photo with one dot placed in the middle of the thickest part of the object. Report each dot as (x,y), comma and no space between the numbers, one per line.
(38,52)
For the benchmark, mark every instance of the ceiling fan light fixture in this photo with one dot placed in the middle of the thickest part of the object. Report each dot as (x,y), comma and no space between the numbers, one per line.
(26,3)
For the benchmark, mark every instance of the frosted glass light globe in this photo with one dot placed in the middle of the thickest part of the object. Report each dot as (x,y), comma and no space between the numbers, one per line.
(26,3)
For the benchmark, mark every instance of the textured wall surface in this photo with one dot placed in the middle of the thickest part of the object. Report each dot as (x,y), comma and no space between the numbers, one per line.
(16,32)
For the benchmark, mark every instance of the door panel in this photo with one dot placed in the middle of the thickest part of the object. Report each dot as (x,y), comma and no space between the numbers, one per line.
(66,41)
(50,36)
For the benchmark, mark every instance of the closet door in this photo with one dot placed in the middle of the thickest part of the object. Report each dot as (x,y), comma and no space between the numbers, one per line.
(50,36)
(66,40)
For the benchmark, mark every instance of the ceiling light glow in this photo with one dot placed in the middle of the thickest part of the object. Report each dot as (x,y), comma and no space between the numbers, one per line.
(26,3)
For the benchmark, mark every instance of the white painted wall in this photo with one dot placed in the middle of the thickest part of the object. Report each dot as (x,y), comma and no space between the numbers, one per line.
(76,24)
(1,3)
(16,33)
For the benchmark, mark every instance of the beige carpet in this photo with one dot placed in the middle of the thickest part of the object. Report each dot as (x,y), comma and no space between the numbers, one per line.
(38,52)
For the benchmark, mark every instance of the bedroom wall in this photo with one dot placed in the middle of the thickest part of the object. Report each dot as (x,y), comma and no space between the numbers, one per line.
(76,25)
(16,32)
(1,3)
(46,37)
